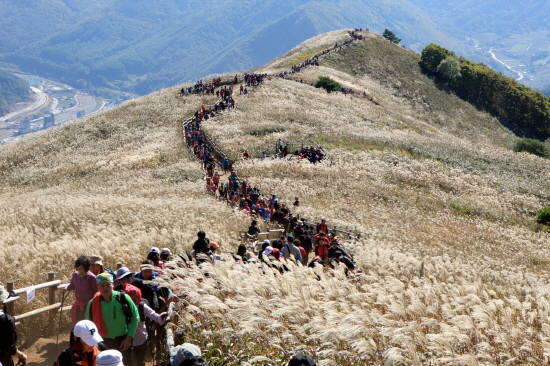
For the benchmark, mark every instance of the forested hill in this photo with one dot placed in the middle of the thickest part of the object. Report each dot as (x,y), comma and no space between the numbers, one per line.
(12,90)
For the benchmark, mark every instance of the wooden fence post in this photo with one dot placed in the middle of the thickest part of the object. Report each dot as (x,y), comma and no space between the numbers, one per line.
(9,307)
(51,293)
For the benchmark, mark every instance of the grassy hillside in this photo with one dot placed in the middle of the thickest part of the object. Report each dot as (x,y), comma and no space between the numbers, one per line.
(12,90)
(453,269)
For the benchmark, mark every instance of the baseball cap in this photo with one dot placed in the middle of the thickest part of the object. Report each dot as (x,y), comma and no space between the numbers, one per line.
(109,358)
(87,332)
(104,277)
(123,272)
(165,251)
(154,250)
(266,241)
(301,360)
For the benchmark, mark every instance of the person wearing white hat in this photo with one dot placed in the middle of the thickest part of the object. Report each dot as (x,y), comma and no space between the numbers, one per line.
(85,345)
(8,335)
(109,358)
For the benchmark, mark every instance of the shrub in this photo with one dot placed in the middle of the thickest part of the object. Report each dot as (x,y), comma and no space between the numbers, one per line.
(432,56)
(543,216)
(328,84)
(531,146)
(449,69)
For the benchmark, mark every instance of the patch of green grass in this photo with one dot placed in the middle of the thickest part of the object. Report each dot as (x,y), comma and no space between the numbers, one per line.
(264,131)
(355,143)
(464,210)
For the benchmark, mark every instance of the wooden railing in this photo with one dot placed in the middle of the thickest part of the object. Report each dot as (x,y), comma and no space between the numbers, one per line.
(53,306)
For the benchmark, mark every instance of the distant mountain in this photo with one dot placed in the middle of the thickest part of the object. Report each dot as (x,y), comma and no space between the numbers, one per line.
(138,46)
(12,90)
(516,31)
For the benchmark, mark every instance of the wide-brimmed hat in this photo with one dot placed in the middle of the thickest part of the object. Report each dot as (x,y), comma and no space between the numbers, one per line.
(146,266)
(96,259)
(122,272)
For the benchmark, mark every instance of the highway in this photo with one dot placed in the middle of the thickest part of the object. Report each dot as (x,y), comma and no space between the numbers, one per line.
(41,100)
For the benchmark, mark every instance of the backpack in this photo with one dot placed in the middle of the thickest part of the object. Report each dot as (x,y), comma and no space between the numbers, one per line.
(126,309)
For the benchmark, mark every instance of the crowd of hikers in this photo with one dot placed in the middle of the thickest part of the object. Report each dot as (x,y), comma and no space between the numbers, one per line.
(118,315)
(310,153)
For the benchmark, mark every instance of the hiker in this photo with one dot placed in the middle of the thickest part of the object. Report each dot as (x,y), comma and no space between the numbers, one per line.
(8,336)
(145,333)
(301,360)
(322,243)
(124,283)
(186,354)
(322,227)
(296,202)
(83,283)
(165,255)
(214,247)
(201,245)
(242,253)
(253,229)
(149,291)
(109,358)
(115,315)
(96,264)
(290,249)
(246,154)
(339,255)
(154,256)
(85,344)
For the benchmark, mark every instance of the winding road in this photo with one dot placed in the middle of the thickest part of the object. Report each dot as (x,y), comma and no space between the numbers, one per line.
(41,100)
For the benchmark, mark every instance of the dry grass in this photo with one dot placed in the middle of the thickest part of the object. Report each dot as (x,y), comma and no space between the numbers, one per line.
(115,184)
(421,184)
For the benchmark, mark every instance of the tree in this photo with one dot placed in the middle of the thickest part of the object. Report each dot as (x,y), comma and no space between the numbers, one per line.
(449,69)
(432,55)
(390,36)
(328,84)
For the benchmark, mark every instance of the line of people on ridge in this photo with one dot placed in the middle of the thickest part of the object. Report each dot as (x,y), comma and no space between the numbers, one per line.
(305,244)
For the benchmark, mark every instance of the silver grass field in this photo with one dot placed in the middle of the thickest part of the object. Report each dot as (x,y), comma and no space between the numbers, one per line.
(452,269)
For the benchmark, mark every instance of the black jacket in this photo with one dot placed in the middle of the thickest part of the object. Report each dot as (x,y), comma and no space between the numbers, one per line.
(202,246)
(8,335)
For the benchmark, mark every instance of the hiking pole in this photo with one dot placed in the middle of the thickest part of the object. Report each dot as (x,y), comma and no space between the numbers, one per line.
(59,323)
